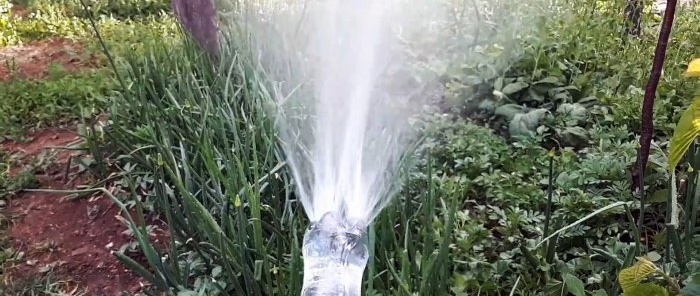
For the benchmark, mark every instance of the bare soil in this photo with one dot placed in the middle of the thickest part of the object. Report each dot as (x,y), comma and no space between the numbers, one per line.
(36,59)
(74,238)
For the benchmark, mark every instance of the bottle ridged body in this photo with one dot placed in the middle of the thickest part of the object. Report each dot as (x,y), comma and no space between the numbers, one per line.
(335,257)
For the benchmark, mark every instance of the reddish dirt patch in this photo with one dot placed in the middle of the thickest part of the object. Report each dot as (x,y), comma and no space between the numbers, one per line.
(75,238)
(19,11)
(46,139)
(35,60)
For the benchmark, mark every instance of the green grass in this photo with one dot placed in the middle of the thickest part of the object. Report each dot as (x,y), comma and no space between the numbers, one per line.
(193,133)
(42,103)
(62,96)
(220,192)
(474,206)
(119,9)
(47,284)
(219,180)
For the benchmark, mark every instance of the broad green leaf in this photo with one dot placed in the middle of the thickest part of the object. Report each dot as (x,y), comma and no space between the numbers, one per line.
(498,84)
(518,126)
(588,101)
(535,95)
(487,106)
(692,288)
(576,114)
(693,69)
(653,256)
(574,136)
(216,272)
(561,95)
(630,277)
(687,129)
(514,87)
(549,80)
(524,124)
(600,293)
(555,288)
(646,289)
(659,196)
(574,285)
(509,110)
(694,279)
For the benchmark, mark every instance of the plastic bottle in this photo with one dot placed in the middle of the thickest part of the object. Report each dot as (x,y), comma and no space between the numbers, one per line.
(335,256)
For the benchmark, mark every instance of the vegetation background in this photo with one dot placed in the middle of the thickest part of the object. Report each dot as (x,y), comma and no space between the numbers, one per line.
(541,148)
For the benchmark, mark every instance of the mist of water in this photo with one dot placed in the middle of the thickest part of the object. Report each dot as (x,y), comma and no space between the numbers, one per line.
(345,102)
(350,77)
(345,153)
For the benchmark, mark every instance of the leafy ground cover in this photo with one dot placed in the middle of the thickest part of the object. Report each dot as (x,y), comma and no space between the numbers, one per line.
(53,83)
(511,156)
(45,41)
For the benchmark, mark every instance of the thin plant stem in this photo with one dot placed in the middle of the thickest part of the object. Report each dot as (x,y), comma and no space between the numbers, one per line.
(103,44)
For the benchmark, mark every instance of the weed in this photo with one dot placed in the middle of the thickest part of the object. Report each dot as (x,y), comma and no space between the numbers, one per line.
(32,103)
(42,285)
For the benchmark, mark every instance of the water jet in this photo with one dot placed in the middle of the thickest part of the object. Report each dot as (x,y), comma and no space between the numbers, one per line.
(349,78)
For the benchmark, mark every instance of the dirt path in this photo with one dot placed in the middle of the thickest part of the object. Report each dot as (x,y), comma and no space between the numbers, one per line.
(72,238)
(35,60)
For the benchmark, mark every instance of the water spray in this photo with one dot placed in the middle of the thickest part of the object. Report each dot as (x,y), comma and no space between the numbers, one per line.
(349,77)
(344,124)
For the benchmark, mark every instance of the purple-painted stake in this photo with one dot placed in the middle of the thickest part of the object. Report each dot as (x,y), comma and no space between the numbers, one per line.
(199,18)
